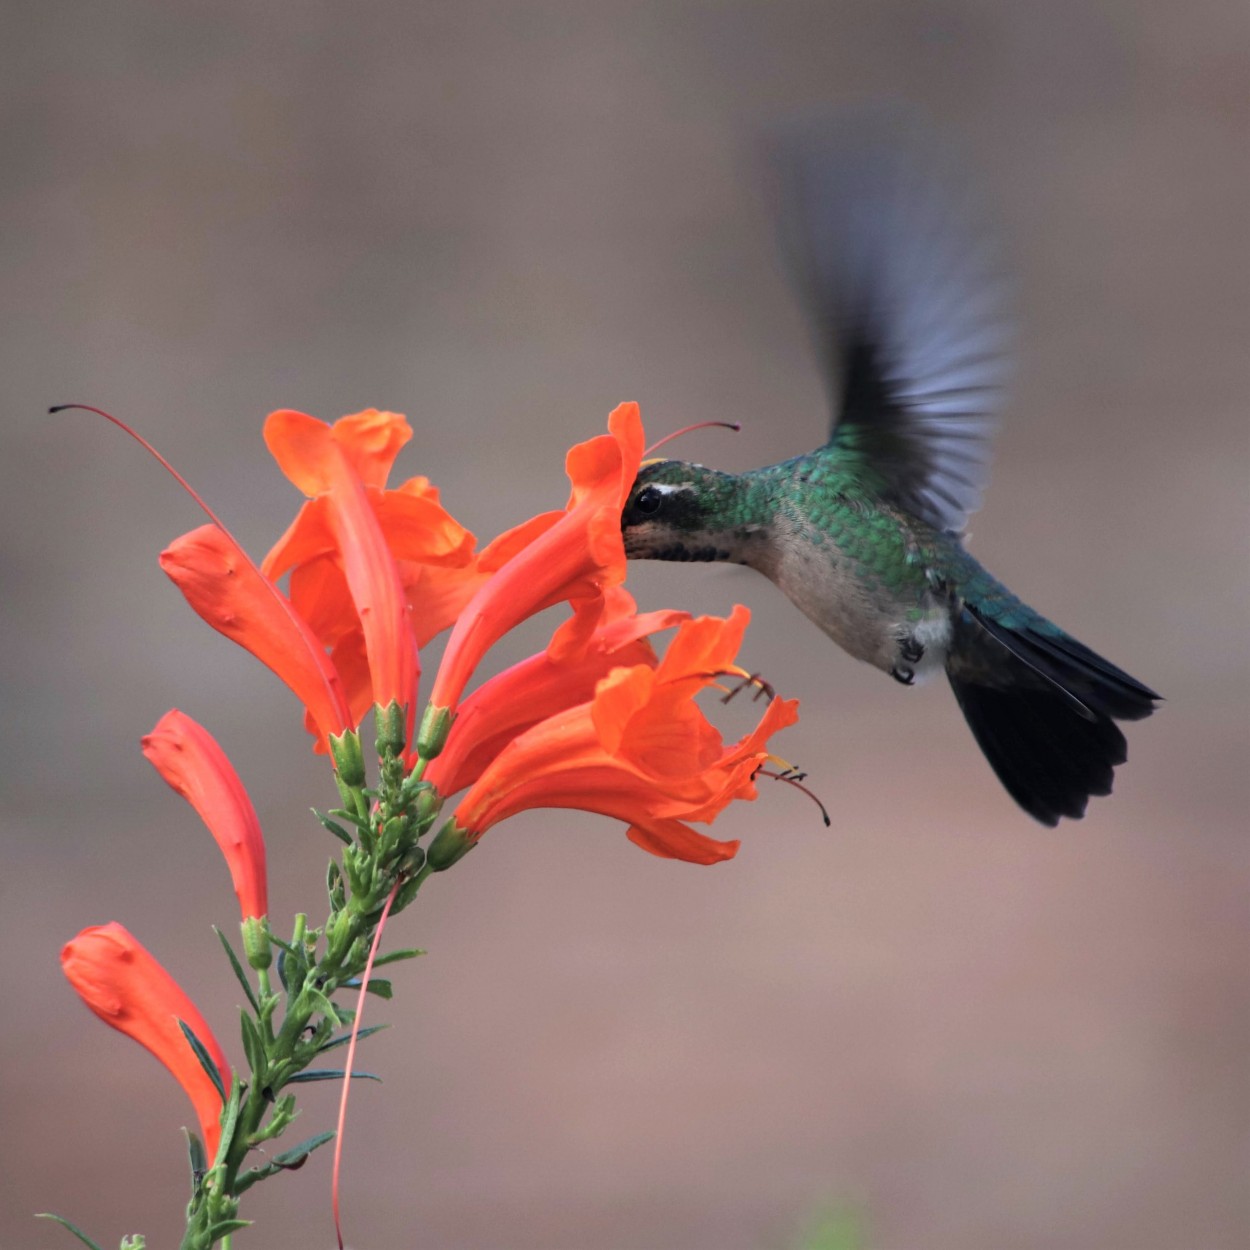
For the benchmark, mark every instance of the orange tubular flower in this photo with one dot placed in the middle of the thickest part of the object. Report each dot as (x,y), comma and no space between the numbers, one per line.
(117,978)
(640,751)
(325,467)
(228,591)
(433,554)
(549,682)
(573,554)
(189,759)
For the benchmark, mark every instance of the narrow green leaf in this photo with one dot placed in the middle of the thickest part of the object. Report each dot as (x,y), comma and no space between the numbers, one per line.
(297,1154)
(322,1004)
(377,985)
(328,1074)
(253,1046)
(206,1060)
(73,1228)
(333,827)
(280,965)
(230,1120)
(223,1228)
(238,970)
(393,957)
(335,1042)
(196,1158)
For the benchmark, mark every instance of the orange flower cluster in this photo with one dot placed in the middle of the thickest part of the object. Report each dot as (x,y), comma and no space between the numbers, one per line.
(596,721)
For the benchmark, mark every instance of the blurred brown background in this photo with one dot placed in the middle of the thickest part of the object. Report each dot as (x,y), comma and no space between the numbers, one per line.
(502,219)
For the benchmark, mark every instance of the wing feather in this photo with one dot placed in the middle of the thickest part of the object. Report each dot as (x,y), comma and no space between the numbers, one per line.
(907,307)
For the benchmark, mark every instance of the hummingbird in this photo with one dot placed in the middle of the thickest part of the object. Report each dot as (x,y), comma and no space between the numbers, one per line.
(865,535)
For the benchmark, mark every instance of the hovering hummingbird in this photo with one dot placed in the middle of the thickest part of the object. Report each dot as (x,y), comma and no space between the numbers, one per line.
(906,307)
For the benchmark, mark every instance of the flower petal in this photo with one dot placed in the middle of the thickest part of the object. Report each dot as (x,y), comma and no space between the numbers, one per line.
(121,982)
(315,460)
(229,592)
(580,555)
(192,762)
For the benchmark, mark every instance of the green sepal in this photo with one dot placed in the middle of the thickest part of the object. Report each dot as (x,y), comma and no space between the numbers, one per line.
(206,1060)
(256,944)
(238,970)
(329,1074)
(393,957)
(335,1042)
(73,1228)
(392,724)
(450,844)
(229,1119)
(349,758)
(435,726)
(133,1241)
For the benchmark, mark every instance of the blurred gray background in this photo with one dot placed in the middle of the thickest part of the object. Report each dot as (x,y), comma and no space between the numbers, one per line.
(502,219)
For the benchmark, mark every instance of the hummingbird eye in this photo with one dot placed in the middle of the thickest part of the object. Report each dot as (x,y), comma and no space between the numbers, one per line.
(649,500)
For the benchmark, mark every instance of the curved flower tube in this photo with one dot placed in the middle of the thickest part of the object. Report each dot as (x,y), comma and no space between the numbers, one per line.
(433,553)
(194,765)
(227,590)
(574,554)
(320,464)
(121,982)
(542,685)
(641,751)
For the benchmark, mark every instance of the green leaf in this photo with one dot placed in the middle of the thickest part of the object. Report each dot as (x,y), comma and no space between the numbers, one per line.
(238,970)
(223,1228)
(206,1060)
(294,1157)
(230,1120)
(319,1002)
(73,1228)
(253,1046)
(328,1074)
(395,956)
(280,964)
(347,1037)
(377,985)
(333,827)
(196,1157)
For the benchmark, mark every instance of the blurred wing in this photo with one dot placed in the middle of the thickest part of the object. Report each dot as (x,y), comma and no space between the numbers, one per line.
(906,306)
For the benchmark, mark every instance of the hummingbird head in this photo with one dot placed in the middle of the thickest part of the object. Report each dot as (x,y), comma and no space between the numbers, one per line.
(682,511)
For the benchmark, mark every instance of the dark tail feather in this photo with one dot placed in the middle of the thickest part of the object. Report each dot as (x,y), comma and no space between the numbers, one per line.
(1041,707)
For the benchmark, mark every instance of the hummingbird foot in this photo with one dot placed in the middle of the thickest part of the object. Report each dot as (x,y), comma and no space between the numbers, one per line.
(910,652)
